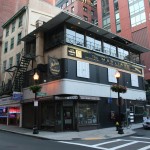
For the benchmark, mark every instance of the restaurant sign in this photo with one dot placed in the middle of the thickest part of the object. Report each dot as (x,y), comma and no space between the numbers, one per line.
(105,60)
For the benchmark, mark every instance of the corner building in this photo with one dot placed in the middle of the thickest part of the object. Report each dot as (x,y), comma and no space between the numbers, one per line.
(76,62)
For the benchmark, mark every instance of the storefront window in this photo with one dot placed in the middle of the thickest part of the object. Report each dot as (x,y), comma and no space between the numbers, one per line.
(87,113)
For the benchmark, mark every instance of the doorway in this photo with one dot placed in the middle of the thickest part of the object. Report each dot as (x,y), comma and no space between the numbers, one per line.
(68,118)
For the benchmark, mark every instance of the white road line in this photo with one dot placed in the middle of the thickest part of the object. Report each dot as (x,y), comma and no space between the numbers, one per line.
(124,145)
(136,140)
(106,142)
(137,137)
(79,144)
(145,148)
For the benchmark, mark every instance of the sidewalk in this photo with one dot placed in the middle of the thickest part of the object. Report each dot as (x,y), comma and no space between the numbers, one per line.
(104,133)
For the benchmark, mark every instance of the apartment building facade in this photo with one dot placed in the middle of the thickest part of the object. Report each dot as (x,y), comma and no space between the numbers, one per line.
(23,22)
(81,61)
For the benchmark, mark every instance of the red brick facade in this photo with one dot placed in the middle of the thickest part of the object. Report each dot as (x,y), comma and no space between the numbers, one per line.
(139,34)
(9,7)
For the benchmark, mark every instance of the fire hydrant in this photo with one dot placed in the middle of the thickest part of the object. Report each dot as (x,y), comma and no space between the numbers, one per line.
(117,125)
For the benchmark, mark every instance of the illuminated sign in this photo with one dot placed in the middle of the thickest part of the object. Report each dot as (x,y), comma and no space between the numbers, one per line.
(14,110)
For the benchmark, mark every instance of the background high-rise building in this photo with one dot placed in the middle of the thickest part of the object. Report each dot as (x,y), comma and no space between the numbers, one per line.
(129,19)
(9,7)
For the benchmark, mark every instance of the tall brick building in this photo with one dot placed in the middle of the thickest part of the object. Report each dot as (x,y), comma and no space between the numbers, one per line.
(9,7)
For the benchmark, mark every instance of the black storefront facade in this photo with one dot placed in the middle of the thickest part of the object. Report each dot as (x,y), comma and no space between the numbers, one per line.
(77,75)
(64,113)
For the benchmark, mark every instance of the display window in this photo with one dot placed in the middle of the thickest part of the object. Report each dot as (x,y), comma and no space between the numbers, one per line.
(87,113)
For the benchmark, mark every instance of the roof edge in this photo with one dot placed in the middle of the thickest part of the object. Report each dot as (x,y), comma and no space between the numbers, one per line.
(14,17)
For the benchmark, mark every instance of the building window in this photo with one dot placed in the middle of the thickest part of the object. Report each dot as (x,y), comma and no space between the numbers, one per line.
(82,67)
(12,43)
(19,38)
(67,3)
(85,8)
(87,113)
(13,26)
(6,47)
(7,31)
(10,61)
(20,21)
(118,27)
(109,49)
(111,75)
(72,9)
(123,54)
(18,59)
(85,18)
(134,80)
(4,65)
(137,12)
(92,12)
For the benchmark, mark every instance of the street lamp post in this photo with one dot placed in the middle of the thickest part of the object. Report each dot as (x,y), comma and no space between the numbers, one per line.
(120,130)
(35,127)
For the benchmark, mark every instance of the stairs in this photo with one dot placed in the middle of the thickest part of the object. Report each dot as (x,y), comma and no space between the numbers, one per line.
(19,74)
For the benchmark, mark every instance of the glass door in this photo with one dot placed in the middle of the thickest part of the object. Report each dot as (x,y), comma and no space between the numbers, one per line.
(68,118)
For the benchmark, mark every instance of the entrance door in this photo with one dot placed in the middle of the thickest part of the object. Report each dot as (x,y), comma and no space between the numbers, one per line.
(68,118)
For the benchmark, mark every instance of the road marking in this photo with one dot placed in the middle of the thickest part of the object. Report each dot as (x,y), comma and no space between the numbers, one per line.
(106,142)
(145,148)
(85,145)
(94,138)
(137,137)
(124,145)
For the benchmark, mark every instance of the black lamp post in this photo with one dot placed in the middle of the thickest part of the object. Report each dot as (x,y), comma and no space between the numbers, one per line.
(35,127)
(120,130)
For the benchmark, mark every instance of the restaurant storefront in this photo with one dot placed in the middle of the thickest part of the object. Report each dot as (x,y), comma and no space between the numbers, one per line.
(63,113)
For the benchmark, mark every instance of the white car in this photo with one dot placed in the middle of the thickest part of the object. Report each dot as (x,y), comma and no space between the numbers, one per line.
(146,123)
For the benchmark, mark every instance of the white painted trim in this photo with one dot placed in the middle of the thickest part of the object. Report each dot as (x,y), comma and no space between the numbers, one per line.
(74,87)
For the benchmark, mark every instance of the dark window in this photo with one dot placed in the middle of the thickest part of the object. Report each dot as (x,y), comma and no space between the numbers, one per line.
(17,59)
(19,38)
(6,47)
(87,113)
(92,13)
(13,26)
(85,18)
(11,62)
(7,31)
(20,21)
(12,43)
(4,65)
(85,8)
(72,9)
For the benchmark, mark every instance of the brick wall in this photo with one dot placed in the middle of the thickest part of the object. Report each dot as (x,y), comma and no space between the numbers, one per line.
(9,7)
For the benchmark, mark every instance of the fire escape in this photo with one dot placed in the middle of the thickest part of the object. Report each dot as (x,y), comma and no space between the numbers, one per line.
(17,76)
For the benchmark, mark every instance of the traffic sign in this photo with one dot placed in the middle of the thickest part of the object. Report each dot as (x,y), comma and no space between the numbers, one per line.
(40,94)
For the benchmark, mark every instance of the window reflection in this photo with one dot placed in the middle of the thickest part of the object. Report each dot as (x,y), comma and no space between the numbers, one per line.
(109,49)
(87,113)
(123,54)
(70,36)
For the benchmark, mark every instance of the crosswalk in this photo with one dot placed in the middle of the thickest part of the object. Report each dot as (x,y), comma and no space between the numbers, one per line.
(132,143)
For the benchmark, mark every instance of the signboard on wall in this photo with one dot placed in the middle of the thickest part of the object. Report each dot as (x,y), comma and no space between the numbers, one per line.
(54,66)
(17,96)
(105,60)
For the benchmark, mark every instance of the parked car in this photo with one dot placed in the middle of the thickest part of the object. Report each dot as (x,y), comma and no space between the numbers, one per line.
(146,123)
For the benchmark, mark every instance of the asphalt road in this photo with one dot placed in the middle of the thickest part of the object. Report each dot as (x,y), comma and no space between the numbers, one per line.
(11,141)
(138,141)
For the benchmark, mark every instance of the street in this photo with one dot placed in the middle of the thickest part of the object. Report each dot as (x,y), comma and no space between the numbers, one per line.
(11,141)
(138,141)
